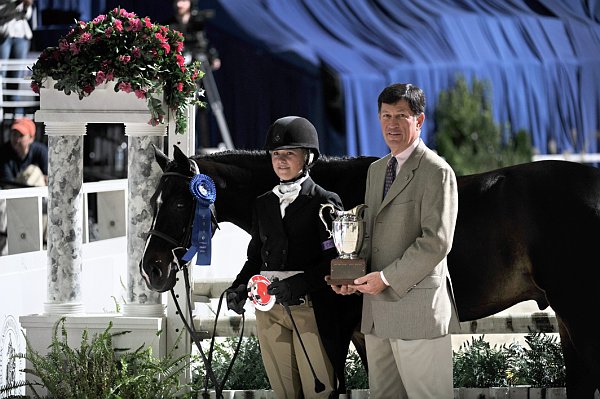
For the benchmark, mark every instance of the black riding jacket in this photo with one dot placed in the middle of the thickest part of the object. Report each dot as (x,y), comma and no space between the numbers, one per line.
(300,241)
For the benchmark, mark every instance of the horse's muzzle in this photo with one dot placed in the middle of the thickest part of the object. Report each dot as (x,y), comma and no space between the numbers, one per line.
(157,275)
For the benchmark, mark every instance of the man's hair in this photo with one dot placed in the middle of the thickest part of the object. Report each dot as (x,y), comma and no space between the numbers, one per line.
(413,95)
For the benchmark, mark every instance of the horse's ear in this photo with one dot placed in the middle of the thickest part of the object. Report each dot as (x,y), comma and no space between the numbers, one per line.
(161,158)
(179,157)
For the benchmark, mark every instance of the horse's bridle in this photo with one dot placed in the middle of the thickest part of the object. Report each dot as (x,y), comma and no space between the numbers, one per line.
(179,245)
(179,250)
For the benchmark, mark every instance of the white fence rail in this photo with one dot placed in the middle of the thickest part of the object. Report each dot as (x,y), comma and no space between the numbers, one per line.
(26,220)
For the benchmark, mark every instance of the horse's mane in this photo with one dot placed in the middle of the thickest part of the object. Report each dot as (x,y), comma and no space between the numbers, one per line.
(243,157)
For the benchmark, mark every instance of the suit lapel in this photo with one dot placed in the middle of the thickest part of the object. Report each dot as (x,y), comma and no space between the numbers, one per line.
(405,175)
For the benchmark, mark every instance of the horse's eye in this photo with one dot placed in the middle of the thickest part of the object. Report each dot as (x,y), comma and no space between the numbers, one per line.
(180,205)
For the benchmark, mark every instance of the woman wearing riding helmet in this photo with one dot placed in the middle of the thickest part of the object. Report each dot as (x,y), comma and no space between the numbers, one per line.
(290,246)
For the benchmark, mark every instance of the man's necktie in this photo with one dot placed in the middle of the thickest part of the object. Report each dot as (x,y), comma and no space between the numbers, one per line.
(390,175)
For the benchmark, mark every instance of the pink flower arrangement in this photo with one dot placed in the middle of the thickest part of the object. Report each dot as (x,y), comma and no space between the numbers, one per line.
(141,57)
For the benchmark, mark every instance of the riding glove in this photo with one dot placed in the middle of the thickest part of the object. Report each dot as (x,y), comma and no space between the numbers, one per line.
(236,298)
(288,291)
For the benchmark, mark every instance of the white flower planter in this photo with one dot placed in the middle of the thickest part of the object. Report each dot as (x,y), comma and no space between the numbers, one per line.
(103,99)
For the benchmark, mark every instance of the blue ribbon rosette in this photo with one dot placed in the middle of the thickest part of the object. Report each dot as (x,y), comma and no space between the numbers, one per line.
(203,189)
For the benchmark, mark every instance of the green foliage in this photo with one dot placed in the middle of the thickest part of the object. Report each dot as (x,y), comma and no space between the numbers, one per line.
(467,136)
(248,371)
(356,375)
(477,364)
(95,370)
(540,364)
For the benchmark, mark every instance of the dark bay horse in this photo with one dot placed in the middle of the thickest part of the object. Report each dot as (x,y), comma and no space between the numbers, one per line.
(526,232)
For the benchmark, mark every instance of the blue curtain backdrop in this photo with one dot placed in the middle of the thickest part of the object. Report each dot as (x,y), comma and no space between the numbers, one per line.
(329,59)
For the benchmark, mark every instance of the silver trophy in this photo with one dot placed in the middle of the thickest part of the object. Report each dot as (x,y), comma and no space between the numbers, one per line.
(347,231)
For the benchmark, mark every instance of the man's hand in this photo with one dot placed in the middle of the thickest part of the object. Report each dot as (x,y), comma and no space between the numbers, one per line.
(342,289)
(236,298)
(371,284)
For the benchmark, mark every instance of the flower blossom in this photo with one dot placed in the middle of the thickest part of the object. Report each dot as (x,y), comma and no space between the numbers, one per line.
(74,48)
(100,77)
(63,45)
(125,86)
(35,87)
(140,93)
(124,58)
(98,19)
(134,25)
(85,37)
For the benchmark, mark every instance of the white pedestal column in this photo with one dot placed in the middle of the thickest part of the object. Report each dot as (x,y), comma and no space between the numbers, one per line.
(143,176)
(65,217)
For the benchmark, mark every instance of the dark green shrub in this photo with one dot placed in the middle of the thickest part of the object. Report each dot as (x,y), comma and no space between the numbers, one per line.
(467,136)
(478,364)
(356,375)
(247,372)
(542,364)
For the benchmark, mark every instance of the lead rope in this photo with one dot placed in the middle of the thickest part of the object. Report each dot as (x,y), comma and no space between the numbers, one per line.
(194,335)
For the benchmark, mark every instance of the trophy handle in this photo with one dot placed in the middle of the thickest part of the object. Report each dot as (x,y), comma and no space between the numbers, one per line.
(333,210)
(358,210)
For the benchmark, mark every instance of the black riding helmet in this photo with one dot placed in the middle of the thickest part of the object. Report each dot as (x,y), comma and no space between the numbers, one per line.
(293,132)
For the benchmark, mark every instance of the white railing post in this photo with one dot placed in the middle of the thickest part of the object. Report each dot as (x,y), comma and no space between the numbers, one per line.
(26,227)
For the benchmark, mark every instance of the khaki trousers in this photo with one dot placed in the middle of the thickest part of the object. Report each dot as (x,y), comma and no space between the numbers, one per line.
(284,360)
(410,369)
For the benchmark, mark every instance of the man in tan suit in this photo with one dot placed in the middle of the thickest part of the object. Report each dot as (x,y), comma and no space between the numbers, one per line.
(408,304)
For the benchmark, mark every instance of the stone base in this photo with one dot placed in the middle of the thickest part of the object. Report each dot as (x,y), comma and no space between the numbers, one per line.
(345,271)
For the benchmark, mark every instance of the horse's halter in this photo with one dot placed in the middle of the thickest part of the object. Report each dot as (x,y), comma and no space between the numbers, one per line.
(180,245)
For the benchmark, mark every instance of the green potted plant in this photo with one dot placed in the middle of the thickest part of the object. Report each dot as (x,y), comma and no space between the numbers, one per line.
(485,371)
(130,53)
(98,370)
